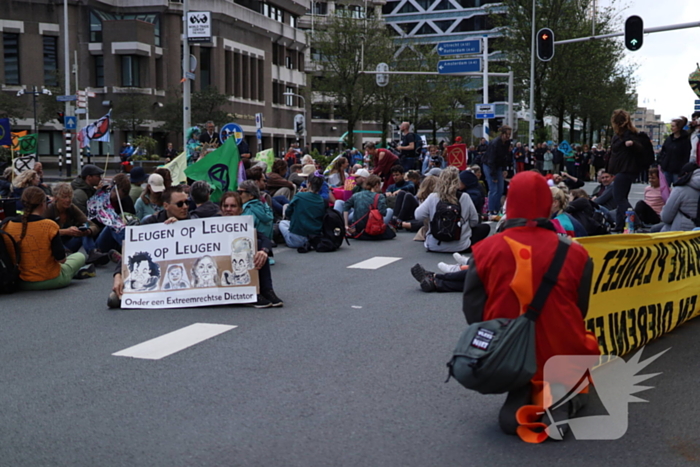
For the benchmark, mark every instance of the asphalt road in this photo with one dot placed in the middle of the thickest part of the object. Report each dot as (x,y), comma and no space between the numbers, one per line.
(350,373)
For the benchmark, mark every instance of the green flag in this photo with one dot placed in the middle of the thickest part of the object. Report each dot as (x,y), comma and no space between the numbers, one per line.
(28,144)
(268,157)
(219,168)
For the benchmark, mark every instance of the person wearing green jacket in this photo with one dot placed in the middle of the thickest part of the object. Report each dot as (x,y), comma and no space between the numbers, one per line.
(305,211)
(252,206)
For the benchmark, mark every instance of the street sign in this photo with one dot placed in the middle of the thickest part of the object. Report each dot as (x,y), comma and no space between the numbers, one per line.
(485,111)
(459,47)
(189,75)
(382,78)
(231,129)
(478,131)
(80,111)
(697,107)
(65,98)
(697,101)
(259,121)
(258,134)
(70,123)
(199,26)
(463,65)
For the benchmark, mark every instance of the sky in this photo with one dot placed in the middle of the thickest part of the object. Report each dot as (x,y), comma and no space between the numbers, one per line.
(666,58)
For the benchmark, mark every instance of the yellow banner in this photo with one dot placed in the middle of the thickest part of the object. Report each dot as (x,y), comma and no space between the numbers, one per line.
(643,286)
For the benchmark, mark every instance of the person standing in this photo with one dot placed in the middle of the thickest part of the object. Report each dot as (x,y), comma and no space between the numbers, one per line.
(407,147)
(170,153)
(495,162)
(210,136)
(676,151)
(695,137)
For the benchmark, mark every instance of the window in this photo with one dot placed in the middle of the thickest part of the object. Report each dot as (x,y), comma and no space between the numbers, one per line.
(50,61)
(99,71)
(293,21)
(205,67)
(131,71)
(319,8)
(11,56)
(95,28)
(289,100)
(289,63)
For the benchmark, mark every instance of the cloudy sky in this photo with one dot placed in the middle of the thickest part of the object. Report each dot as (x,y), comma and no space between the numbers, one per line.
(666,58)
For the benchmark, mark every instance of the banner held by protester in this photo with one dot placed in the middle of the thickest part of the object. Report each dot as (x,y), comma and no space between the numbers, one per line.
(190,263)
(219,168)
(177,168)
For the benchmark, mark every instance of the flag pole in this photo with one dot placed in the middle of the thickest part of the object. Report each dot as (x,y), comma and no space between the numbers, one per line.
(106,161)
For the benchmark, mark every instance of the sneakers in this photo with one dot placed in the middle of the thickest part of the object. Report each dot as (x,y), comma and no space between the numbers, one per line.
(460,259)
(97,257)
(261,303)
(271,297)
(86,272)
(444,267)
(114,256)
(418,272)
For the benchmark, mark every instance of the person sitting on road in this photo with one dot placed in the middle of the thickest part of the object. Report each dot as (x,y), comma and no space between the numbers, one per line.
(253,206)
(305,213)
(200,192)
(505,270)
(567,179)
(6,182)
(137,177)
(446,192)
(360,203)
(406,204)
(560,201)
(39,169)
(400,184)
(277,185)
(43,262)
(74,228)
(21,182)
(295,175)
(337,175)
(85,185)
(150,202)
(682,205)
(649,209)
(581,208)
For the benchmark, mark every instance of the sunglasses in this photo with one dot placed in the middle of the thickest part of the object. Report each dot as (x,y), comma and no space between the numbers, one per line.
(180,204)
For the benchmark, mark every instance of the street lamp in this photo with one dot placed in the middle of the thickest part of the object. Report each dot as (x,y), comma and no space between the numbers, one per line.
(304,101)
(34,93)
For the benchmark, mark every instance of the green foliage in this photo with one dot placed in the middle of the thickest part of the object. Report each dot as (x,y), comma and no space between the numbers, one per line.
(12,107)
(171,113)
(206,105)
(145,148)
(131,111)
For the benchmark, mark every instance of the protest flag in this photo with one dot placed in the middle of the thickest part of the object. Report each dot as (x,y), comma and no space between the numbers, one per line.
(219,168)
(268,157)
(16,135)
(99,129)
(28,144)
(5,132)
(177,168)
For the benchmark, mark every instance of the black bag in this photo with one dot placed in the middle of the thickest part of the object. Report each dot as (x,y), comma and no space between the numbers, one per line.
(417,143)
(446,224)
(648,157)
(498,356)
(9,269)
(332,234)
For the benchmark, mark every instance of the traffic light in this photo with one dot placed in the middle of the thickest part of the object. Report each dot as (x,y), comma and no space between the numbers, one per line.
(60,117)
(545,44)
(299,127)
(634,33)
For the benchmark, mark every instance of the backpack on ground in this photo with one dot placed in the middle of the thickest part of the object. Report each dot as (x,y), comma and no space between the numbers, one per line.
(9,269)
(499,355)
(332,232)
(446,224)
(375,221)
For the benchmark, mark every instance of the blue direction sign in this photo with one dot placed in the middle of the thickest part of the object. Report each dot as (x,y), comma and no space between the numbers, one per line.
(485,111)
(231,129)
(463,65)
(70,98)
(697,101)
(258,133)
(459,47)
(70,123)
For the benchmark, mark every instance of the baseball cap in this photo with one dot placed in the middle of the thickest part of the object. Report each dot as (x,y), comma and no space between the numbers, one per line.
(90,169)
(156,183)
(361,173)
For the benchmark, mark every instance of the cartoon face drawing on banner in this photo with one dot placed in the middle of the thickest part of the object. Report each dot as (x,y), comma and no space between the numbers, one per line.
(241,263)
(176,278)
(144,274)
(205,273)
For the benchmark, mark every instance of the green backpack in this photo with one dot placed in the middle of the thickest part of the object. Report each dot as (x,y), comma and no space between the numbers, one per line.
(498,356)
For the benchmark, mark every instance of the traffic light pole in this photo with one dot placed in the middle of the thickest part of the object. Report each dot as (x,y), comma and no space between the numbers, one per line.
(531,130)
(671,27)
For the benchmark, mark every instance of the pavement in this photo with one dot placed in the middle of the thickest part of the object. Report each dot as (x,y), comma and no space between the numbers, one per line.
(349,373)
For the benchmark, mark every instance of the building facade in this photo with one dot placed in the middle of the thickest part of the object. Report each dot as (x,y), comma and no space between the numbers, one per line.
(649,122)
(119,48)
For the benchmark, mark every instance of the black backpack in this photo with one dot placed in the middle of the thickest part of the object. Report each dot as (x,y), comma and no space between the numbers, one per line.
(332,234)
(9,270)
(648,156)
(417,143)
(446,224)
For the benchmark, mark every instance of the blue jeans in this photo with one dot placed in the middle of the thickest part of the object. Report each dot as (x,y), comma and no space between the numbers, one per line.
(621,192)
(671,178)
(278,203)
(494,178)
(75,243)
(110,239)
(291,239)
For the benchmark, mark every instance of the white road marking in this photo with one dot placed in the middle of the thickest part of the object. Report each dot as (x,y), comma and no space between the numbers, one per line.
(175,341)
(357,307)
(374,263)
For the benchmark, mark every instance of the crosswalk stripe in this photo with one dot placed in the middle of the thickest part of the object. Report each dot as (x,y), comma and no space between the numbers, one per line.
(374,263)
(175,341)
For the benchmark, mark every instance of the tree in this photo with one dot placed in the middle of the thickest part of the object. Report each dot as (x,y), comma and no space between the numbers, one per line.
(49,107)
(170,115)
(12,107)
(131,111)
(206,105)
(346,47)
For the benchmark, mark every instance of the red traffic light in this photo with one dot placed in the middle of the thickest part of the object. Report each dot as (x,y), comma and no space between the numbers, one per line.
(545,44)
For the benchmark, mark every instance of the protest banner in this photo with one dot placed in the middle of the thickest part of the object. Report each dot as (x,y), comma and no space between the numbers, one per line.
(268,157)
(643,286)
(190,263)
(457,156)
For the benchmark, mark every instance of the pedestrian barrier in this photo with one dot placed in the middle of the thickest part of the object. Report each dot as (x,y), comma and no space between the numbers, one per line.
(644,285)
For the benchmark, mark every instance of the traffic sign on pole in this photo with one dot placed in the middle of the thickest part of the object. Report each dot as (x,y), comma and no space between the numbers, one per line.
(259,121)
(70,123)
(382,78)
(66,98)
(463,65)
(459,47)
(485,111)
(231,129)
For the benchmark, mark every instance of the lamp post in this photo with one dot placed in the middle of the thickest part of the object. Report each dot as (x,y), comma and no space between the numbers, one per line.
(34,93)
(304,102)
